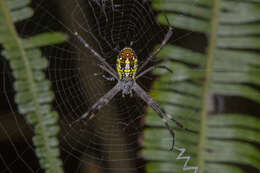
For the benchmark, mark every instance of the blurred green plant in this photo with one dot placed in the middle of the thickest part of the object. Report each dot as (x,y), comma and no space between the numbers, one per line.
(230,67)
(33,90)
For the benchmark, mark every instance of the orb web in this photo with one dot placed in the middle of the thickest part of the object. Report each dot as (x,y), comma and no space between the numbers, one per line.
(111,140)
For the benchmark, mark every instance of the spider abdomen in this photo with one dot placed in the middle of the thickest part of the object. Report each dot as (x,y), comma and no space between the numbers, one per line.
(126,64)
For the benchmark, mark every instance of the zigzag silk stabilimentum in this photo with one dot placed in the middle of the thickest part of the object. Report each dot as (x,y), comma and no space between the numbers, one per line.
(225,142)
(33,90)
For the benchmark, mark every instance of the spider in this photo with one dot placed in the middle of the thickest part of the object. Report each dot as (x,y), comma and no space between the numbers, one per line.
(126,74)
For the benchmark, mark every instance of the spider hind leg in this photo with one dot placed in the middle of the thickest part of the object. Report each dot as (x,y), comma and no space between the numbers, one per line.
(159,110)
(179,124)
(99,104)
(170,130)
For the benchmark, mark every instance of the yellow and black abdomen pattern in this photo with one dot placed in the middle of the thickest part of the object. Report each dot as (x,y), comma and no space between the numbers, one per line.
(126,64)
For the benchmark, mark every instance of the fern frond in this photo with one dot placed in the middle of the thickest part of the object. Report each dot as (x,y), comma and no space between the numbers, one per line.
(33,90)
(230,67)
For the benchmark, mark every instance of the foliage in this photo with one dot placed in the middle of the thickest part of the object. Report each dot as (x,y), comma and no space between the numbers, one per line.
(230,67)
(33,90)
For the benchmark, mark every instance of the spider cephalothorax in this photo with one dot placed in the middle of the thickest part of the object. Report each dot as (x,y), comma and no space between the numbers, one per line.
(126,76)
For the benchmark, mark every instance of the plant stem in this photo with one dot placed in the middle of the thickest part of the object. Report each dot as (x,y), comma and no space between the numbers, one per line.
(208,76)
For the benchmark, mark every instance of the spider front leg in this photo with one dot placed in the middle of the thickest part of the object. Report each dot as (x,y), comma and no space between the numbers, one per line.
(99,104)
(151,68)
(108,78)
(97,55)
(108,71)
(165,40)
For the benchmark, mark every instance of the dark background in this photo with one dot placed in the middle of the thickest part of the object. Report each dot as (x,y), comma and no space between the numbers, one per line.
(16,151)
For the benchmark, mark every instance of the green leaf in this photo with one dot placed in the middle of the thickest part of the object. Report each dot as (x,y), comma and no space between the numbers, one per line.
(33,90)
(230,67)
(44,39)
(21,14)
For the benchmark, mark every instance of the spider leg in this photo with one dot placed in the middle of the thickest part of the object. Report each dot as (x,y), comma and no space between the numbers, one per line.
(108,78)
(99,104)
(165,40)
(108,71)
(158,109)
(99,57)
(151,68)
